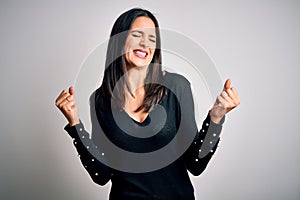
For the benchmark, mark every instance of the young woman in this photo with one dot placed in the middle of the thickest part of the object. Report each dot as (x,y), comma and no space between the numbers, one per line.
(136,94)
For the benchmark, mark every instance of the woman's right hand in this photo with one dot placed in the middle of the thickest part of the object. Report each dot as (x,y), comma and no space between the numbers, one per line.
(67,105)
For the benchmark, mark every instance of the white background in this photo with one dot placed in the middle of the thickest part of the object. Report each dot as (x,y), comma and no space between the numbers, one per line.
(256,43)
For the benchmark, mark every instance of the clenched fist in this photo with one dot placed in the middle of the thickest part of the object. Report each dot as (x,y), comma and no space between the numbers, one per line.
(225,102)
(67,105)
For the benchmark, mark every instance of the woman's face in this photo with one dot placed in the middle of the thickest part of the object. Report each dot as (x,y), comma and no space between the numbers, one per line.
(140,43)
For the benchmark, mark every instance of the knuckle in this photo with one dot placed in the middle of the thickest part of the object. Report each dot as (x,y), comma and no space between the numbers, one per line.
(64,107)
(60,106)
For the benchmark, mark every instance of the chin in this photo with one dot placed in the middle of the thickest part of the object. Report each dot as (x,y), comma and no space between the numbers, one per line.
(140,64)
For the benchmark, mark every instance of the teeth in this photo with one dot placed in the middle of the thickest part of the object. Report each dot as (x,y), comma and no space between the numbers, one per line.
(143,54)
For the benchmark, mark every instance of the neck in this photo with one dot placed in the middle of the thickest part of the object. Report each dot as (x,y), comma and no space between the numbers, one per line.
(136,77)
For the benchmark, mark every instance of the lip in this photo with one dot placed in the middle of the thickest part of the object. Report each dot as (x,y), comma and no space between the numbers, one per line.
(135,52)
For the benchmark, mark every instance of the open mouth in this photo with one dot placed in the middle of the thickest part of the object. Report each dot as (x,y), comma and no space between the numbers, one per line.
(140,53)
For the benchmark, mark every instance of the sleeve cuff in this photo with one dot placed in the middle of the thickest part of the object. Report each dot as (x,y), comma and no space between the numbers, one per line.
(217,127)
(211,138)
(74,130)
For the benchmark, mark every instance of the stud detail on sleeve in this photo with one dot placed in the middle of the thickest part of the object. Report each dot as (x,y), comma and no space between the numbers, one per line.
(211,151)
(80,129)
(93,159)
(102,154)
(207,124)
(96,174)
(87,147)
(214,135)
(83,136)
(210,142)
(196,159)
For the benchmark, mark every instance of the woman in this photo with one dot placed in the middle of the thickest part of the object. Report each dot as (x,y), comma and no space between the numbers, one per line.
(134,87)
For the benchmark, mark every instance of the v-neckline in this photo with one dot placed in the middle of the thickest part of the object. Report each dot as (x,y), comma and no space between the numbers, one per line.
(145,122)
(147,119)
(142,123)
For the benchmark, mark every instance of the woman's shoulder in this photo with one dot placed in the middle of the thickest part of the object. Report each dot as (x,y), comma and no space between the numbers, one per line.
(99,100)
(175,80)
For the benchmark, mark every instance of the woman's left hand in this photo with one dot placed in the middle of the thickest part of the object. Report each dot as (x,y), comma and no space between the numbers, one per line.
(225,102)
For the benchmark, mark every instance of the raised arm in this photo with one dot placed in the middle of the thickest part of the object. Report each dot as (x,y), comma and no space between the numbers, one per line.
(207,139)
(89,154)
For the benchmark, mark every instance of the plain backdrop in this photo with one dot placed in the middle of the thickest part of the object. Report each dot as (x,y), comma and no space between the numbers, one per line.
(256,43)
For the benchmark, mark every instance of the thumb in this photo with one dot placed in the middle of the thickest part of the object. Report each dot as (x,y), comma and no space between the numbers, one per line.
(227,84)
(71,90)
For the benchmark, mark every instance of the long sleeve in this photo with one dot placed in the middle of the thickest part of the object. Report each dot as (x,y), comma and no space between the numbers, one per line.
(203,147)
(89,154)
(206,140)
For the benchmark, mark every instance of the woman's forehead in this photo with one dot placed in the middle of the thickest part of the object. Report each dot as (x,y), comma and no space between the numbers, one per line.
(143,23)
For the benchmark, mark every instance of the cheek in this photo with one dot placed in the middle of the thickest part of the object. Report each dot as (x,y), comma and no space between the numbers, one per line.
(152,51)
(131,43)
(128,56)
(128,50)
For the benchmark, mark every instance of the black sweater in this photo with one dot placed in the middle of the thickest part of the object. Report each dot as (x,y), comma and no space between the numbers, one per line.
(148,176)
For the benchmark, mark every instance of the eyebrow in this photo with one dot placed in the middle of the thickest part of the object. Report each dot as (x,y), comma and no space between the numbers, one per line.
(142,32)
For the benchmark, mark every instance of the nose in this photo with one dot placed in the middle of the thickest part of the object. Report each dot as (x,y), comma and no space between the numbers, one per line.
(143,42)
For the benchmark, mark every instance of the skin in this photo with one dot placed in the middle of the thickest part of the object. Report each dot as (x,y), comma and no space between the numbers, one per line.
(142,37)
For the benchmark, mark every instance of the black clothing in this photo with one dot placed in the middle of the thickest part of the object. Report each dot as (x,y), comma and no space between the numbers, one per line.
(171,182)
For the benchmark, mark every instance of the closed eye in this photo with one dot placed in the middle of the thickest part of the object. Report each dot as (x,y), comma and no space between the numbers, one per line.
(152,38)
(136,33)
